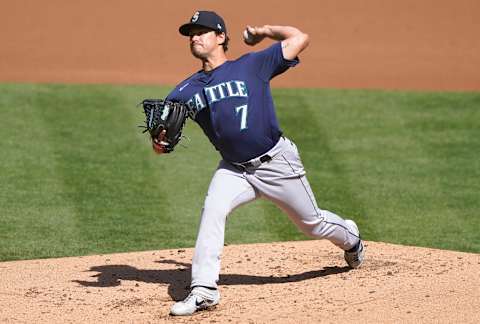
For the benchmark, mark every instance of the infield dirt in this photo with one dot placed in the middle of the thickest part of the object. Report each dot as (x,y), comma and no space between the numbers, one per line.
(406,44)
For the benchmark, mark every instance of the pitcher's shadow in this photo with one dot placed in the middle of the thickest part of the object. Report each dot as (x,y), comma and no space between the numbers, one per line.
(178,280)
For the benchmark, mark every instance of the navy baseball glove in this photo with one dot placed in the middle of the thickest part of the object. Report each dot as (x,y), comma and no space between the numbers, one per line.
(164,120)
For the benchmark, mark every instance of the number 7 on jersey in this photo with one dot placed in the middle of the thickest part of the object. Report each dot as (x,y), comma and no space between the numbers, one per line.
(243,111)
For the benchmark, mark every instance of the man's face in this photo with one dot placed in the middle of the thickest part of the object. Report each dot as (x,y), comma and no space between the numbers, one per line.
(203,41)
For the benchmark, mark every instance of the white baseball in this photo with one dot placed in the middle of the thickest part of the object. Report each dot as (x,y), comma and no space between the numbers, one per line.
(247,37)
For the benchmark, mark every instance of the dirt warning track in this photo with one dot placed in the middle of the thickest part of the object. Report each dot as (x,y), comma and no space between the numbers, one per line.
(410,44)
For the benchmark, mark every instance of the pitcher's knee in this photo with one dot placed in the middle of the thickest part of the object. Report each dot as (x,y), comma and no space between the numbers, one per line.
(215,210)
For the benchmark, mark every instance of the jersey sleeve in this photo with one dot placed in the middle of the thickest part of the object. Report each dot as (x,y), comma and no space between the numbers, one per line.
(176,96)
(170,95)
(270,62)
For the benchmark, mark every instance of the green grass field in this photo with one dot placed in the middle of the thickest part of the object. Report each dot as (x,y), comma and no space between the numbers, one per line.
(78,177)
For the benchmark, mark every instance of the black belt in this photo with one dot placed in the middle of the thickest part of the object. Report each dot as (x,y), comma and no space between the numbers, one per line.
(249,164)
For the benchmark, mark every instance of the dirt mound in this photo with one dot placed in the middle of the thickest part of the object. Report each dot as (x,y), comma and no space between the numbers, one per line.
(287,282)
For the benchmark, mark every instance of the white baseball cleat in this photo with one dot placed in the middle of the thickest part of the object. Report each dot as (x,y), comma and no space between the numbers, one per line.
(355,255)
(199,298)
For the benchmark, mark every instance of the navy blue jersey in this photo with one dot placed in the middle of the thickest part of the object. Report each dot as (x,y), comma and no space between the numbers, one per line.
(233,103)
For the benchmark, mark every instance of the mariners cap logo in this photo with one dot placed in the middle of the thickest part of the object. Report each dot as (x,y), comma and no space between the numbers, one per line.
(207,19)
(195,16)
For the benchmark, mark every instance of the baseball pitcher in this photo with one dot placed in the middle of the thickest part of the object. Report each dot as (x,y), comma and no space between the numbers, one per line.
(231,101)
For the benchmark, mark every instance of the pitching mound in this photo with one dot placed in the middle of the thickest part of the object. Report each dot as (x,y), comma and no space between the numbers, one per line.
(288,282)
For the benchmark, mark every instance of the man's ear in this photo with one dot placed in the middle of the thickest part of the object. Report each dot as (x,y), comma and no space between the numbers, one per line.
(221,38)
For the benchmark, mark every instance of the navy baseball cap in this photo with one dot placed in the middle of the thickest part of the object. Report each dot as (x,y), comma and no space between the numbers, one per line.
(207,19)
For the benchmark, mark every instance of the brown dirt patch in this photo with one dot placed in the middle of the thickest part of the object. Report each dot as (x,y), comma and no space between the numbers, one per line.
(409,44)
(288,282)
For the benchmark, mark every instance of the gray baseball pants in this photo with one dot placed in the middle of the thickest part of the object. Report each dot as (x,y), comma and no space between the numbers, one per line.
(281,180)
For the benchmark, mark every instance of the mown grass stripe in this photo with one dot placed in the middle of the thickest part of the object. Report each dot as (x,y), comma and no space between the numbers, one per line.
(78,177)
(36,214)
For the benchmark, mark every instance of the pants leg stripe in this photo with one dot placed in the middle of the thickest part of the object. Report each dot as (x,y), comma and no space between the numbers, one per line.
(304,187)
(311,200)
